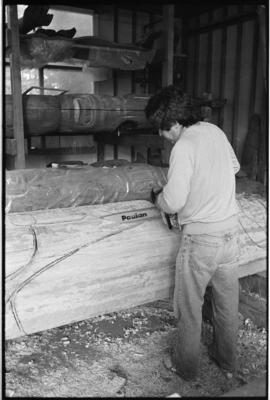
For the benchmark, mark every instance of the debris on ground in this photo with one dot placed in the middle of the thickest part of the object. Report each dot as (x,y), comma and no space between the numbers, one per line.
(120,355)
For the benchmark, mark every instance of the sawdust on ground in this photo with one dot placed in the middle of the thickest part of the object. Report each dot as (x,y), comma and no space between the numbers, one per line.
(120,355)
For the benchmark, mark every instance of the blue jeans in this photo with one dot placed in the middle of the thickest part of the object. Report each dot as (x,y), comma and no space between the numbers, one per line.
(206,259)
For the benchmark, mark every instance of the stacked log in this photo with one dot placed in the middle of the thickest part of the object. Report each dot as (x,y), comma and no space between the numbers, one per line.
(47,188)
(77,113)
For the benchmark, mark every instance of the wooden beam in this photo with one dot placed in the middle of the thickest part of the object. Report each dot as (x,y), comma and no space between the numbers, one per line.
(167,67)
(15,75)
(236,100)
(115,39)
(153,141)
(11,147)
(209,56)
(185,51)
(254,69)
(222,68)
(168,24)
(63,150)
(41,80)
(100,151)
(224,24)
(134,37)
(263,39)
(196,63)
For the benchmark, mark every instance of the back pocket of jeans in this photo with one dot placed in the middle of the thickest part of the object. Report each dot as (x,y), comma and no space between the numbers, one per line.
(203,255)
(206,240)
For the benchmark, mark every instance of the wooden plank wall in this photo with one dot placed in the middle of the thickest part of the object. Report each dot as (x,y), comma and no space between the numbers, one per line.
(122,26)
(226,60)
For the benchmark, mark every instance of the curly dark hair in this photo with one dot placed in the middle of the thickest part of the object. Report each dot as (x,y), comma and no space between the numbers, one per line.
(170,105)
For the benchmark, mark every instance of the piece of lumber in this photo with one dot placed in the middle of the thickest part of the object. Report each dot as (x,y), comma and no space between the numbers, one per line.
(69,264)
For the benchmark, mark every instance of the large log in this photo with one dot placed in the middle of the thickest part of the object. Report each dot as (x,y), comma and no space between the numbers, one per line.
(83,113)
(40,48)
(40,189)
(78,113)
(65,265)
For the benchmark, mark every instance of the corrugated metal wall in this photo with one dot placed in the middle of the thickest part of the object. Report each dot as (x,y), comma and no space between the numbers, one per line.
(225,58)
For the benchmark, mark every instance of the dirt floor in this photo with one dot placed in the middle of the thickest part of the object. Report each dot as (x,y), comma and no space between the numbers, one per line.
(120,355)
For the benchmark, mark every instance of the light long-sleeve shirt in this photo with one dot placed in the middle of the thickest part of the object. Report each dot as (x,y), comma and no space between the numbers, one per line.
(201,177)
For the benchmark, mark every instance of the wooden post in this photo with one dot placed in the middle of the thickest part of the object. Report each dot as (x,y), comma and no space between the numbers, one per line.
(222,68)
(134,35)
(196,62)
(41,80)
(115,74)
(15,75)
(168,24)
(167,68)
(262,23)
(209,56)
(238,55)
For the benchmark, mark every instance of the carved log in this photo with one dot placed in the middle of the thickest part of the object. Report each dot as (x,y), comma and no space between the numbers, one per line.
(47,46)
(96,113)
(40,189)
(68,264)
(77,113)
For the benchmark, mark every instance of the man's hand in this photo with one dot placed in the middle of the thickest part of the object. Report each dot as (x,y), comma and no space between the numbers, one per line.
(165,216)
(154,195)
(166,219)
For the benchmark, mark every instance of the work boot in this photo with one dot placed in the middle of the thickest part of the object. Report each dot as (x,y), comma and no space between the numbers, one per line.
(226,372)
(170,366)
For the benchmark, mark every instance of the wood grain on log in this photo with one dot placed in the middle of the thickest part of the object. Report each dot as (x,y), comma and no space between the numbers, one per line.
(65,265)
(40,189)
(77,113)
